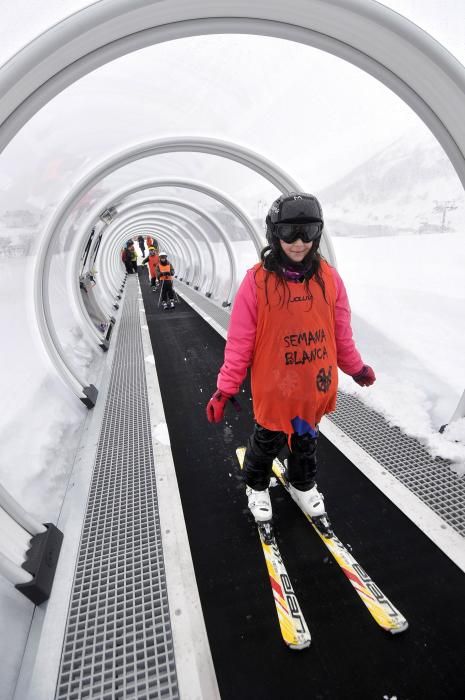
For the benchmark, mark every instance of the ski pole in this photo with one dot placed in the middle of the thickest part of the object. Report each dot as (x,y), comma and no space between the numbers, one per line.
(161,293)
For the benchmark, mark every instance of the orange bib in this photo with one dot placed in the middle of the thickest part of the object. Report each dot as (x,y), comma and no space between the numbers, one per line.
(165,272)
(294,365)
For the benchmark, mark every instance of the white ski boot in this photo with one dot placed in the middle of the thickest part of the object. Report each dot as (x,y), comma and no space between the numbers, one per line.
(171,304)
(259,504)
(165,306)
(311,502)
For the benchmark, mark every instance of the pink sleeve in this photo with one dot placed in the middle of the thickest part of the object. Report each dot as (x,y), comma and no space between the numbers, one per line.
(241,337)
(348,357)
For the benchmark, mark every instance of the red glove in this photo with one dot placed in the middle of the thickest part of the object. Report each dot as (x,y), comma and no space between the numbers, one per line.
(217,404)
(366,376)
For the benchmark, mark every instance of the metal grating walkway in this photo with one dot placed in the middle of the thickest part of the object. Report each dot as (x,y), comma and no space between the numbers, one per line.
(429,478)
(118,641)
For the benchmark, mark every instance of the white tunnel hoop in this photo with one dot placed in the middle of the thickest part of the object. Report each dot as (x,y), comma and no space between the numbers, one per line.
(181,204)
(113,245)
(151,227)
(143,185)
(363,32)
(225,149)
(155,183)
(219,229)
(164,236)
(103,259)
(132,224)
(189,207)
(138,213)
(116,197)
(371,36)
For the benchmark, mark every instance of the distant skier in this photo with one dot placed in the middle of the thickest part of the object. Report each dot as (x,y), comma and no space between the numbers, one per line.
(291,325)
(125,260)
(152,259)
(165,272)
(141,242)
(129,257)
(132,257)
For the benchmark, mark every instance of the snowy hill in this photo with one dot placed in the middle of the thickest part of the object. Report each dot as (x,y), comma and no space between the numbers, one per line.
(408,187)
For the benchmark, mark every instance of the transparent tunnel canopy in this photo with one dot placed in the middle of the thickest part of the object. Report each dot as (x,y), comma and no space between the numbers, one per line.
(278,98)
(195,87)
(394,211)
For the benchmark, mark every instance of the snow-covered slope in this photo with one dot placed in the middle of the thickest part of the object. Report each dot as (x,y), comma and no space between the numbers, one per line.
(408,187)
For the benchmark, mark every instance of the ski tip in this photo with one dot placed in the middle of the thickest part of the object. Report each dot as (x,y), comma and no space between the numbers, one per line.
(240,452)
(299,646)
(400,628)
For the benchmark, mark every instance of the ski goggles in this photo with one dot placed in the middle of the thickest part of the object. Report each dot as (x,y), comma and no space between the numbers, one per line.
(306,232)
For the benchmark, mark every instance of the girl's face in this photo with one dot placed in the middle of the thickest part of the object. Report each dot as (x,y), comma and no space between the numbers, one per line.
(297,250)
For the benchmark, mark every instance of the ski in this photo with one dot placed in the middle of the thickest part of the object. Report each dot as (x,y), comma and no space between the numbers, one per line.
(294,630)
(380,607)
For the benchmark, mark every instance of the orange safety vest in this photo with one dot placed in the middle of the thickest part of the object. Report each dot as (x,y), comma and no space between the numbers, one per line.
(165,271)
(153,262)
(294,365)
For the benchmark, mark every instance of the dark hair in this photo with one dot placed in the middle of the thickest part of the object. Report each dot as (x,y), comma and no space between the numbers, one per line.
(273,262)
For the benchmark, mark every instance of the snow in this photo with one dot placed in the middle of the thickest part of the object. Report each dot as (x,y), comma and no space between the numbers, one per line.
(408,314)
(408,187)
(40,427)
(161,434)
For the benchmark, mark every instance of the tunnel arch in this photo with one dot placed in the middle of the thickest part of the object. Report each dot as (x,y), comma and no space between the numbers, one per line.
(367,34)
(222,148)
(90,220)
(132,223)
(104,267)
(138,213)
(93,216)
(126,191)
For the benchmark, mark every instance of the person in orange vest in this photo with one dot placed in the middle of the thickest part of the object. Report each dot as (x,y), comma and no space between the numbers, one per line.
(290,324)
(165,273)
(152,259)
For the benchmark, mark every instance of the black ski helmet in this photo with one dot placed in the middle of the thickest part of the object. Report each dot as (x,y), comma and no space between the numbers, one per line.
(295,207)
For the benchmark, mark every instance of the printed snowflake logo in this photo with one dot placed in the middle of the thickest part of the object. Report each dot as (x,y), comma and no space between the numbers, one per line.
(288,384)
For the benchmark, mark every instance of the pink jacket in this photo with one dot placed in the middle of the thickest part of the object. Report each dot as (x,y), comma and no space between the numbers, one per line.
(242,328)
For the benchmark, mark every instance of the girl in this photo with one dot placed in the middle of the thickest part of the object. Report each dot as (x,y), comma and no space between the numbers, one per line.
(165,273)
(291,324)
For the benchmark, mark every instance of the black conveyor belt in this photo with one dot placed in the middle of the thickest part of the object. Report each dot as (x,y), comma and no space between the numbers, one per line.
(350,656)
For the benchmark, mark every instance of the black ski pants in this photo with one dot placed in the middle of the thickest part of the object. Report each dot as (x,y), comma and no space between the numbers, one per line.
(264,445)
(167,291)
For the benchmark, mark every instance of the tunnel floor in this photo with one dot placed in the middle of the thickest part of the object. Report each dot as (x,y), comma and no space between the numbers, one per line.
(350,656)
